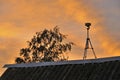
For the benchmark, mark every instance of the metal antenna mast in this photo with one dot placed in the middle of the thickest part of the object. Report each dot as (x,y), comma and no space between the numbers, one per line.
(88,44)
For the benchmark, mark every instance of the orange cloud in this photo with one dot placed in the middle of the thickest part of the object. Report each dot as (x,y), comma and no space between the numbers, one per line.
(83,12)
(19,20)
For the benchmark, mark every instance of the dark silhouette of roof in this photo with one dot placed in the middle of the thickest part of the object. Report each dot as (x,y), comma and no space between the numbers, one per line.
(92,69)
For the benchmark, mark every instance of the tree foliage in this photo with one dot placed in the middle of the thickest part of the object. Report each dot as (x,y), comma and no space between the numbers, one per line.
(47,45)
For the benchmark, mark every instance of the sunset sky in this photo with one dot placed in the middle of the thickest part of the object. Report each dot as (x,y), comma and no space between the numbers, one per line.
(20,19)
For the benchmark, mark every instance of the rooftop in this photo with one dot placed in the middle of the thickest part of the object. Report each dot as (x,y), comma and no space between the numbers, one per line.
(92,69)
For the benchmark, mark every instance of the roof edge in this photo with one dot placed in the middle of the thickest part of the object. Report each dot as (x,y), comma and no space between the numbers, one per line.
(98,60)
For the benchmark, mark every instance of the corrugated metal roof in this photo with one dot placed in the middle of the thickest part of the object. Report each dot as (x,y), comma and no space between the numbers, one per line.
(104,70)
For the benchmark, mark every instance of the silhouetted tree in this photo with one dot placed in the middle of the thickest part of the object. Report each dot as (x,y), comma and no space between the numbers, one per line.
(47,45)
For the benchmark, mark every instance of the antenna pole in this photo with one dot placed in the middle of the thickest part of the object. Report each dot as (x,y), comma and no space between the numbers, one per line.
(88,44)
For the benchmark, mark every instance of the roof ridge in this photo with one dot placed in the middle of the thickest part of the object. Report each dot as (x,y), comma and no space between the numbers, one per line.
(98,60)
